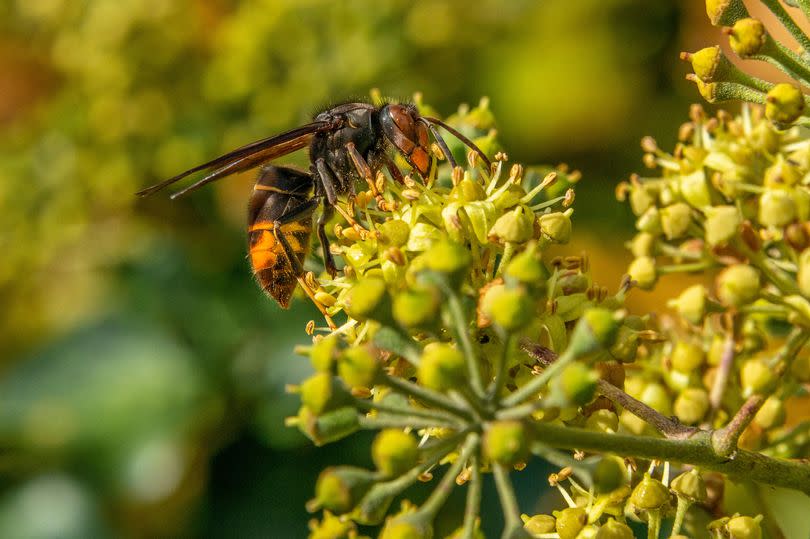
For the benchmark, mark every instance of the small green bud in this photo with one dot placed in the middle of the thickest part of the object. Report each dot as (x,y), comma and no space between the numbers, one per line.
(711,65)
(339,488)
(506,442)
(776,208)
(407,526)
(772,413)
(690,485)
(614,530)
(394,232)
(675,220)
(442,367)
(510,308)
(744,528)
(570,522)
(756,377)
(691,405)
(738,285)
(691,304)
(596,329)
(603,421)
(327,427)
(722,223)
(556,226)
(640,199)
(609,474)
(539,524)
(686,356)
(650,494)
(322,392)
(516,226)
(784,104)
(527,268)
(642,271)
(394,452)
(782,173)
(368,299)
(358,366)
(576,385)
(748,37)
(694,189)
(324,352)
(725,12)
(467,190)
(332,527)
(655,396)
(642,244)
(449,258)
(650,222)
(416,308)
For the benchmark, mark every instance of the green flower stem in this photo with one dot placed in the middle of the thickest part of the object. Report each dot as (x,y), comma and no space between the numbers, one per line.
(473,505)
(686,268)
(500,373)
(508,251)
(725,440)
(424,413)
(395,340)
(805,5)
(680,513)
(509,504)
(721,376)
(789,24)
(653,524)
(401,422)
(697,451)
(462,330)
(785,60)
(425,395)
(445,487)
(667,426)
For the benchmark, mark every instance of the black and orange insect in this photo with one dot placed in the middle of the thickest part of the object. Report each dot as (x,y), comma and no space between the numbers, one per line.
(347,143)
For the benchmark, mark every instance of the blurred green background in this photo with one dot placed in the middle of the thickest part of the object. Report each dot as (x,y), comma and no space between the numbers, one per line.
(142,372)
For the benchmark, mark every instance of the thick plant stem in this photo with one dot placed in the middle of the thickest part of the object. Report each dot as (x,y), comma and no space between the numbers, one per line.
(697,451)
(725,440)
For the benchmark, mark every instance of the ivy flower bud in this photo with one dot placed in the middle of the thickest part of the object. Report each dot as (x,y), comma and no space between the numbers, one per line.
(738,285)
(614,530)
(510,308)
(467,190)
(675,220)
(691,304)
(570,522)
(323,353)
(650,494)
(442,367)
(691,405)
(686,356)
(506,442)
(556,226)
(539,524)
(394,232)
(722,223)
(322,392)
(756,377)
(368,299)
(575,386)
(527,268)
(609,474)
(742,527)
(407,525)
(332,527)
(449,258)
(603,421)
(394,452)
(642,271)
(725,12)
(650,222)
(691,486)
(782,173)
(642,244)
(772,414)
(516,226)
(416,308)
(784,104)
(339,488)
(655,396)
(640,199)
(327,427)
(747,37)
(776,208)
(358,366)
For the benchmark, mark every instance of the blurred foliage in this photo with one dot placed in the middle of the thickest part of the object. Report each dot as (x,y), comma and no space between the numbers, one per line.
(134,346)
